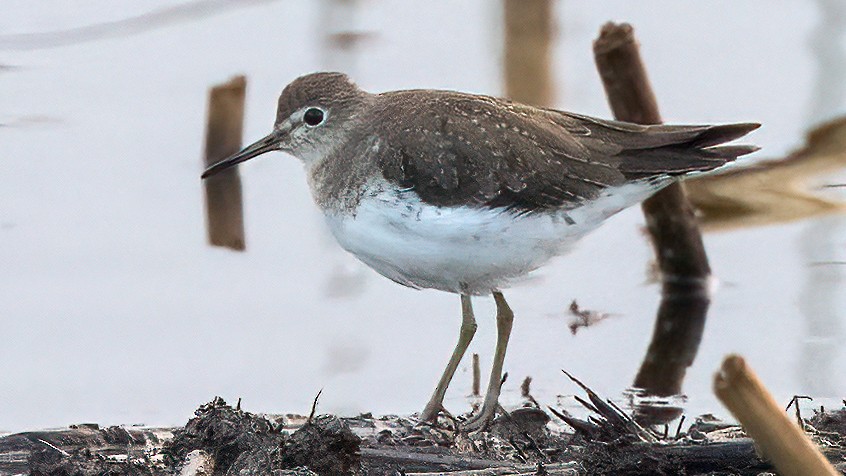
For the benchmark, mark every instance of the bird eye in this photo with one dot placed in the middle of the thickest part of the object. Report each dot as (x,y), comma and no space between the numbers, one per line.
(313,116)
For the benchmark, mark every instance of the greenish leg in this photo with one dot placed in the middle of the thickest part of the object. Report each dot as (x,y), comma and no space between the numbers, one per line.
(468,329)
(504,319)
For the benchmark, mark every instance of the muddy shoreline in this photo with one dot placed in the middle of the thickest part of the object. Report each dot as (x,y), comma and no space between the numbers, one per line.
(226,440)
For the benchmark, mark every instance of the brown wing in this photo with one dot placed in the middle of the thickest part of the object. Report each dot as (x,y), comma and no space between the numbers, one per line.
(454,149)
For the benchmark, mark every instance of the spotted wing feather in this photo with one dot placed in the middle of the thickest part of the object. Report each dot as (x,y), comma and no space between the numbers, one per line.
(454,149)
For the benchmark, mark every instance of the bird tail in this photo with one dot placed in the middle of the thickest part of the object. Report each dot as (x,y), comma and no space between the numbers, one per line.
(678,150)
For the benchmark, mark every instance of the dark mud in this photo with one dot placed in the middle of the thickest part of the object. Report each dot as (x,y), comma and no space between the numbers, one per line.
(230,441)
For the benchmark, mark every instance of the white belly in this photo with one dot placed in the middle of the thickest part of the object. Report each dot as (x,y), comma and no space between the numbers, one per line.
(468,250)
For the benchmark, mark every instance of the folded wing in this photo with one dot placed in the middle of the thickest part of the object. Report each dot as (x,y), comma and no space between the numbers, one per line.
(492,153)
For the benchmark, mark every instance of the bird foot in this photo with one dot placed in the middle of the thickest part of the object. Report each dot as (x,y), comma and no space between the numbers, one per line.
(480,421)
(429,415)
(432,418)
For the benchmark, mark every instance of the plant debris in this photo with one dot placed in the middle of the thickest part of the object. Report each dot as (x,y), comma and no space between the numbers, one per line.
(222,441)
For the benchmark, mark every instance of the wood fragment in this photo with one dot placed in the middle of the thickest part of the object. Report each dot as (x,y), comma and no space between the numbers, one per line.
(223,199)
(679,427)
(314,406)
(794,402)
(780,440)
(477,376)
(588,429)
(618,422)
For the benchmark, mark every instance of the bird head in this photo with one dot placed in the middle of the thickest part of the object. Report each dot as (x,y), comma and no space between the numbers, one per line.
(314,113)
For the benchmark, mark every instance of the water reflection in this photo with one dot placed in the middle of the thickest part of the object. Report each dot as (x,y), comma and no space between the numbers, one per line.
(827,48)
(797,187)
(675,341)
(776,191)
(158,18)
(819,297)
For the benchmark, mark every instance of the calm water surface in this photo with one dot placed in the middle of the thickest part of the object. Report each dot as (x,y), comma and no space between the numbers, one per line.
(115,311)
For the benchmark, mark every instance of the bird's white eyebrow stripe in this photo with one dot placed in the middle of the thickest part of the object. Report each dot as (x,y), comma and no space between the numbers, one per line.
(284,126)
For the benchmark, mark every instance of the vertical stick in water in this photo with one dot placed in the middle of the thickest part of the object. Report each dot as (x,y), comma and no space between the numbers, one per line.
(529,31)
(669,215)
(477,376)
(224,205)
(672,227)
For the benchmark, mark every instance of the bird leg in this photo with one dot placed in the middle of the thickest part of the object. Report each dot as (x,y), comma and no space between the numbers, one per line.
(465,335)
(504,319)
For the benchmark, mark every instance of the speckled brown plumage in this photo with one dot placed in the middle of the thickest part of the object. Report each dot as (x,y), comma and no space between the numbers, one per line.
(457,149)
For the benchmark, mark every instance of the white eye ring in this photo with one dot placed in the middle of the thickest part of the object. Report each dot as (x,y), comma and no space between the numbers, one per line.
(314,116)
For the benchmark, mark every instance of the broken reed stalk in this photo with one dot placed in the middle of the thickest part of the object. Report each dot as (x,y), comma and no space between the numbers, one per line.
(224,129)
(669,216)
(477,376)
(529,31)
(780,439)
(671,223)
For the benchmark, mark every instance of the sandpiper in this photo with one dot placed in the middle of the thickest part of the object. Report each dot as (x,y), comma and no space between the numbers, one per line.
(466,193)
